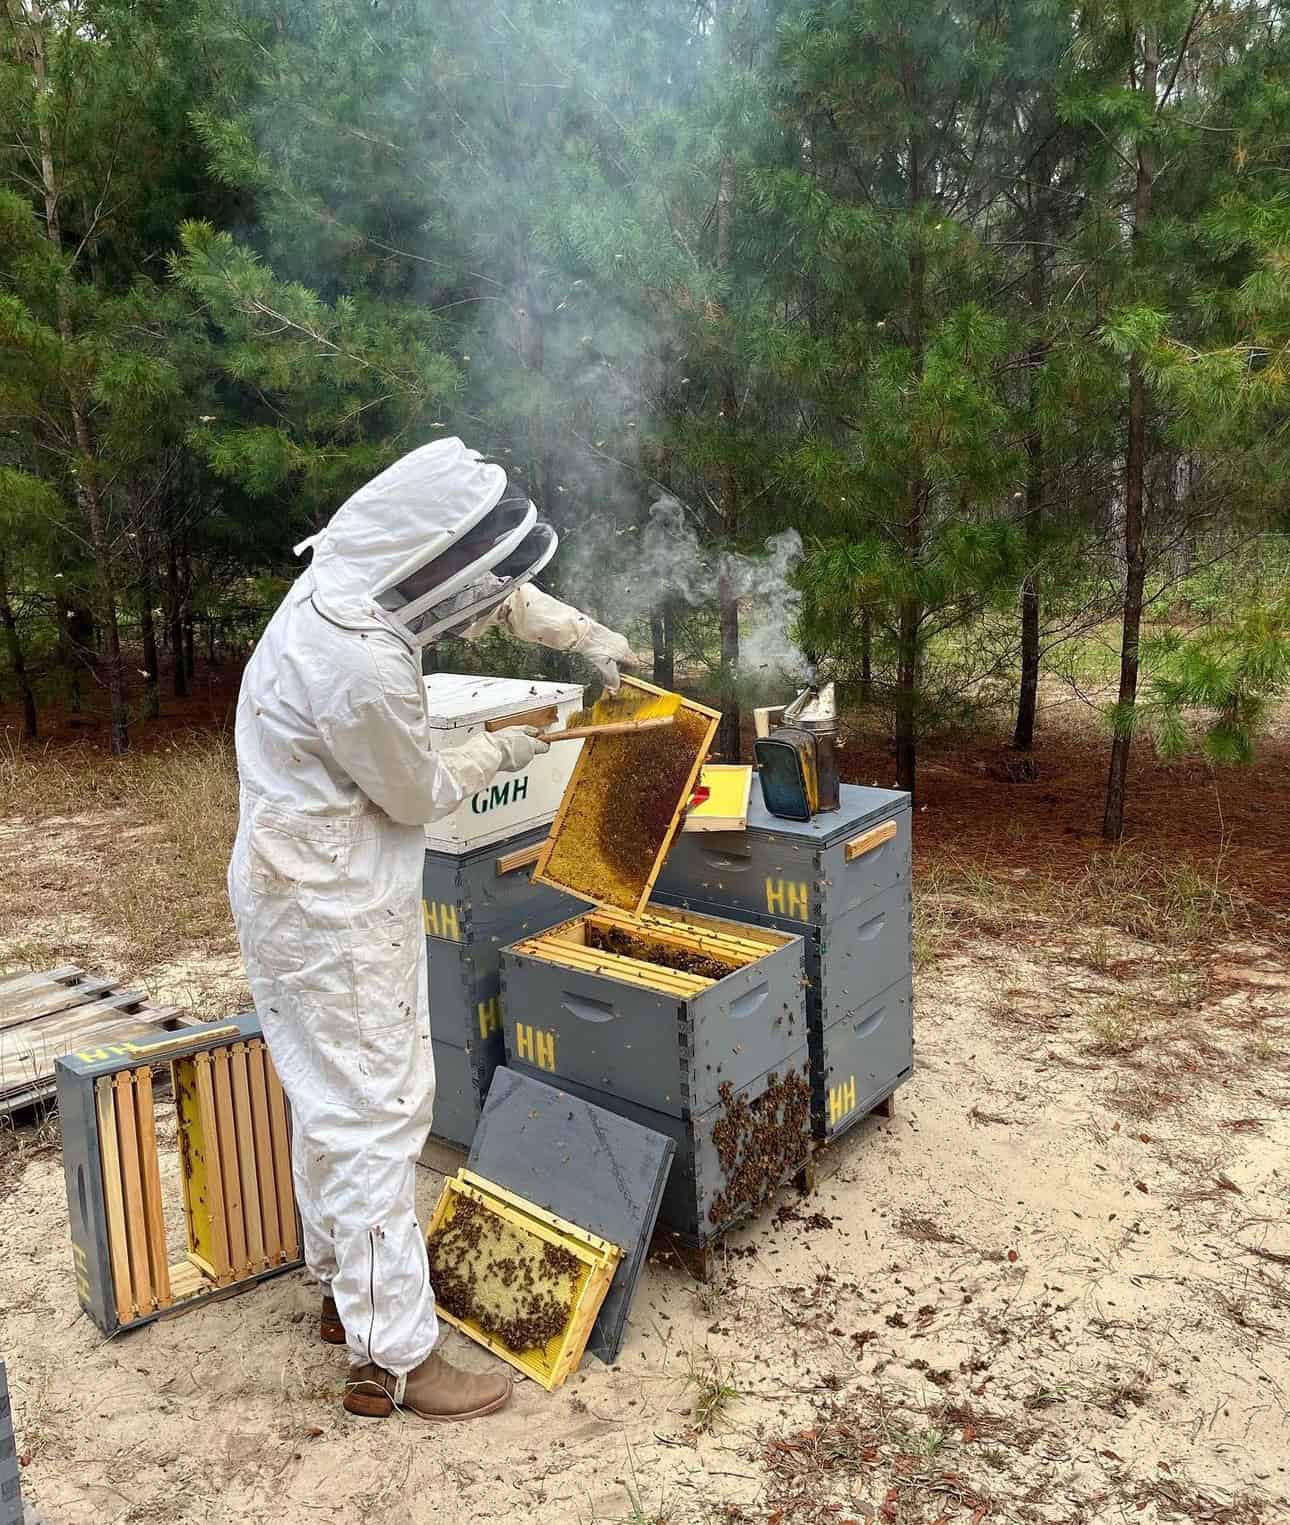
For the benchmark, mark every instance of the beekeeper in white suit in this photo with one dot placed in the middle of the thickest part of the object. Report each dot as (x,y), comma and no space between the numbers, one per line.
(338,780)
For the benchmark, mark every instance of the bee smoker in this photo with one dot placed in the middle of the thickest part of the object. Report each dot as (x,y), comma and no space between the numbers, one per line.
(797,760)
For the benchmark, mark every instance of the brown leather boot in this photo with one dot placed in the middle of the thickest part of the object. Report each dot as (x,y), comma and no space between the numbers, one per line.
(330,1328)
(434,1390)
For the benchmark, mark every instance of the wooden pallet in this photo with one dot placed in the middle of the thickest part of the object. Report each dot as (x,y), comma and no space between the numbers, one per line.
(61,1011)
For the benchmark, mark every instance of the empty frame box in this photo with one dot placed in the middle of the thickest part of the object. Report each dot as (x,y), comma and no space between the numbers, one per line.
(239,1211)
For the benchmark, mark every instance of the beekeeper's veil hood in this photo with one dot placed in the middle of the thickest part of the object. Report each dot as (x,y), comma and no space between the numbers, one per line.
(434,543)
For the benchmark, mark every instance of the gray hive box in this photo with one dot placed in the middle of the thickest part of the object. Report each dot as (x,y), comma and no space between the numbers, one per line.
(466,1035)
(669,1053)
(841,882)
(473,904)
(479,901)
(798,871)
(587,1165)
(462,1078)
(709,1064)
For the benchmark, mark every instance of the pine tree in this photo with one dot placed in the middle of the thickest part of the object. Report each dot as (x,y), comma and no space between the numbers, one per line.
(911,455)
(1148,75)
(88,91)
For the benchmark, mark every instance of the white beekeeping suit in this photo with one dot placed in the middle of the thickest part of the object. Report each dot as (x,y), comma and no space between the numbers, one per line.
(338,780)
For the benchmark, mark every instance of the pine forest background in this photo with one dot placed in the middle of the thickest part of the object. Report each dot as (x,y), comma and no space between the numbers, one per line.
(943,343)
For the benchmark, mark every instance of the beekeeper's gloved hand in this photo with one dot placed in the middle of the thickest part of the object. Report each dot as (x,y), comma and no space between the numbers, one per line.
(604,649)
(531,615)
(519,745)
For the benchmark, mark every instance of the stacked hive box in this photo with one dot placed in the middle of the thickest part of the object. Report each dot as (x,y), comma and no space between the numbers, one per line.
(689,1025)
(473,905)
(478,893)
(841,882)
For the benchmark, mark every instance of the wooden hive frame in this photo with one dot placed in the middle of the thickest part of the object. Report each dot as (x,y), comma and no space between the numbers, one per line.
(589,760)
(727,942)
(553,1364)
(235,1154)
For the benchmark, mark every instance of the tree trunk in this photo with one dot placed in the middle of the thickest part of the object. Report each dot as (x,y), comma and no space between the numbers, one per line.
(190,647)
(866,657)
(1023,736)
(151,660)
(729,734)
(907,696)
(1134,583)
(17,660)
(910,609)
(1135,470)
(175,619)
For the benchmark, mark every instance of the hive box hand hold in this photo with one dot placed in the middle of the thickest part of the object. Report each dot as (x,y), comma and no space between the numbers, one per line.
(584,1164)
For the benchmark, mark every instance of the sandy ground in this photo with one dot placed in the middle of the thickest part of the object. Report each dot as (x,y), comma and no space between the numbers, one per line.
(1055,1286)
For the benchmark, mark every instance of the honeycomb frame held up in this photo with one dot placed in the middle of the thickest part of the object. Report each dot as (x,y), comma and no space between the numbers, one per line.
(554,1239)
(624,806)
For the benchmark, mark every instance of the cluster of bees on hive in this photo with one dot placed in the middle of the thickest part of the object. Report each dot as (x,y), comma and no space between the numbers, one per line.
(616,940)
(629,789)
(760,1142)
(512,1286)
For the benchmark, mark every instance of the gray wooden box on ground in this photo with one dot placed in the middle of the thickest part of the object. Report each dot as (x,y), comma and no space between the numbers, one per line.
(729,1160)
